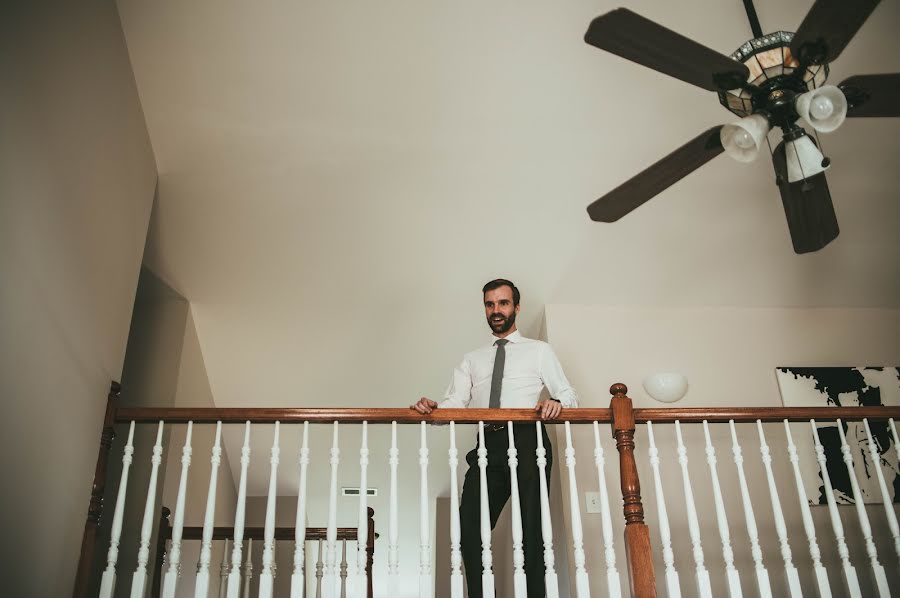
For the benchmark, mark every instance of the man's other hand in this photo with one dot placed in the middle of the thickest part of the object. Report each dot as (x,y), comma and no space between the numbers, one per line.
(424,406)
(549,409)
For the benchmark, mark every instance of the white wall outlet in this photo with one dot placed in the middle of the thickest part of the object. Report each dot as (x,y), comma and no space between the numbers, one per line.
(592,502)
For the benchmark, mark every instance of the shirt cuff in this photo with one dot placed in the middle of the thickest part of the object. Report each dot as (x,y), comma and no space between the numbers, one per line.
(451,403)
(567,399)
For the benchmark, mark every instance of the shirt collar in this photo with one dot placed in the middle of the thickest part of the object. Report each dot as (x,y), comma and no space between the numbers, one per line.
(515,337)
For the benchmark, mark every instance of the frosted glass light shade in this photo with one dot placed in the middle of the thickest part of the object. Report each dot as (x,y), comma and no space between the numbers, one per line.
(824,108)
(803,159)
(666,387)
(743,139)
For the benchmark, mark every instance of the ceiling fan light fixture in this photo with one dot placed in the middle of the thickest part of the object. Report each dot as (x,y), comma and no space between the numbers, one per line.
(824,108)
(804,159)
(769,59)
(743,139)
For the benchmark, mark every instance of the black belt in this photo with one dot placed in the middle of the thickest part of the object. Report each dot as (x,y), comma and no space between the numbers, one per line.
(494,426)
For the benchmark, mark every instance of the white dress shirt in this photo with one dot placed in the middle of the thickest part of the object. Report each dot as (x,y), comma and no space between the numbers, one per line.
(530,366)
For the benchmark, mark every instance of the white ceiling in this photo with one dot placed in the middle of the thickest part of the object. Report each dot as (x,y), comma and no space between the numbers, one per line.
(338,179)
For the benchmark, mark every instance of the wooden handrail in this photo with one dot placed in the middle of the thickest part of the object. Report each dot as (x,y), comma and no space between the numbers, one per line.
(164,534)
(258,533)
(270,415)
(764,414)
(232,415)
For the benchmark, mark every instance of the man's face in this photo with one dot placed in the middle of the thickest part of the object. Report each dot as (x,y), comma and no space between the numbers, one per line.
(499,310)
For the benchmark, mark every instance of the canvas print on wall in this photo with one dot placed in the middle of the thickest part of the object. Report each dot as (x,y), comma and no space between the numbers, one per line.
(846,387)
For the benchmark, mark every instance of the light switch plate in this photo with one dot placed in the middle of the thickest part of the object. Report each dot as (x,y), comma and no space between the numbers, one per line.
(592,502)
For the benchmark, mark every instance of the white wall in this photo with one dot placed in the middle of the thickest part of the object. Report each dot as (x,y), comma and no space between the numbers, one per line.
(729,356)
(77,176)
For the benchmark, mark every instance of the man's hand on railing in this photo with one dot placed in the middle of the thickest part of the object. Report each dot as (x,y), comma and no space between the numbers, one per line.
(424,406)
(549,409)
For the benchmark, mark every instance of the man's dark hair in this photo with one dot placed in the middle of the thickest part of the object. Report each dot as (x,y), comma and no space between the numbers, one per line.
(502,282)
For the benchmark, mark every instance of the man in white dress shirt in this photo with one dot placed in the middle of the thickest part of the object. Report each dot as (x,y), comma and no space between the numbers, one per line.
(510,372)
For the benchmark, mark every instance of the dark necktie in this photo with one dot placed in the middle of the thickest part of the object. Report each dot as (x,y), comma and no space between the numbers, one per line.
(497,376)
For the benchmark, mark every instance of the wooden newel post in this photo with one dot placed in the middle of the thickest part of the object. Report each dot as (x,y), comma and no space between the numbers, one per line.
(637,535)
(95,508)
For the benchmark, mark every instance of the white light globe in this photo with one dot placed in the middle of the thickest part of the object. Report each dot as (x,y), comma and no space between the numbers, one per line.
(666,387)
(744,140)
(821,107)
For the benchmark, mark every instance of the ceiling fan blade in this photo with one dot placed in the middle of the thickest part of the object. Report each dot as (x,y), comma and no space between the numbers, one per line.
(631,36)
(807,207)
(828,27)
(872,95)
(638,190)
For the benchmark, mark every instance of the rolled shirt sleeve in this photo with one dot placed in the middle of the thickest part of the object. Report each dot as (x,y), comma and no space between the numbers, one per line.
(459,393)
(555,379)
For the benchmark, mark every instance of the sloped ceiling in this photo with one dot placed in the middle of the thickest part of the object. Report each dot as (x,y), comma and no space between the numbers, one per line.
(338,179)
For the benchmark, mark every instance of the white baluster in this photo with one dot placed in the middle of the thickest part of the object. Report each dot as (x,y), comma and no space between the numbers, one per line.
(673,587)
(320,571)
(823,588)
(550,580)
(582,583)
(877,571)
(732,576)
(170,579)
(201,582)
(762,574)
(793,578)
(362,527)
(520,583)
(882,486)
(298,582)
(426,585)
(701,575)
(851,581)
(234,577)
(343,568)
(487,573)
(248,569)
(393,526)
(267,575)
(139,581)
(456,578)
(331,573)
(223,571)
(274,561)
(614,587)
(108,581)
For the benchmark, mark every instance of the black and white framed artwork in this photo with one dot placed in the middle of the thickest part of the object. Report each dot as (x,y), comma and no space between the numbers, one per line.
(845,387)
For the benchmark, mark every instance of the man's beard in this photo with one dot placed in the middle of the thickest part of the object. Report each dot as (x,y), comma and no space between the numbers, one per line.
(503,326)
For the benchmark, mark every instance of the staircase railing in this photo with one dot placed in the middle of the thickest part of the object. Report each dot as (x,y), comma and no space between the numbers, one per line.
(624,421)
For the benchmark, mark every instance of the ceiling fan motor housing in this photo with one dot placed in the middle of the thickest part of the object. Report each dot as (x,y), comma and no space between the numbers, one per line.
(776,78)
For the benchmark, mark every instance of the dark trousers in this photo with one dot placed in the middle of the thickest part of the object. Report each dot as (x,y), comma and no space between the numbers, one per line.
(498,482)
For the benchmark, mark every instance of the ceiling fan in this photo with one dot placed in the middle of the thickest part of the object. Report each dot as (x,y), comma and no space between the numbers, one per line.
(769,81)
